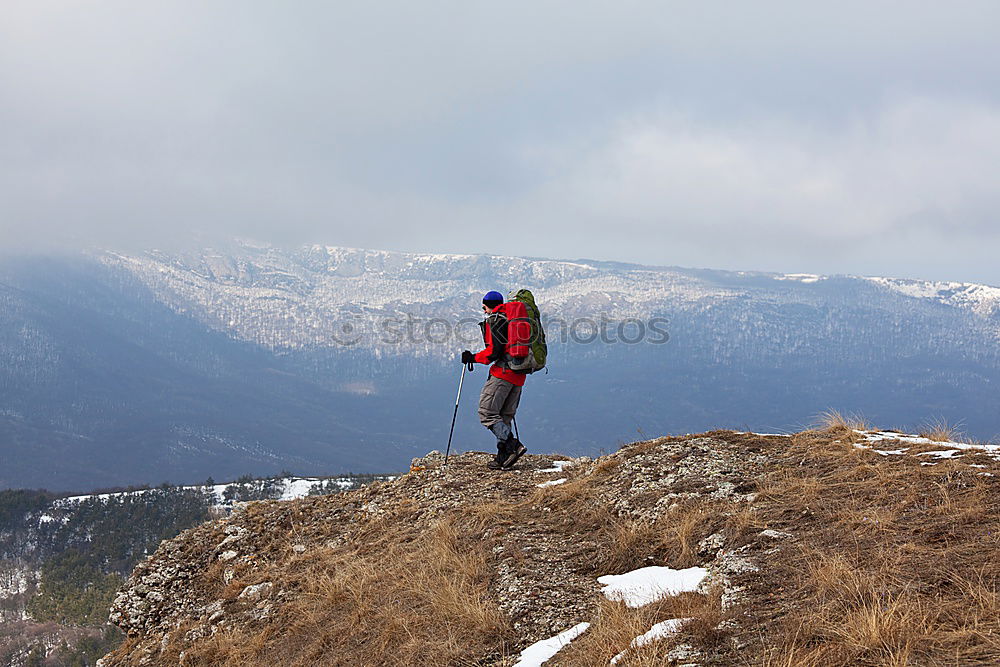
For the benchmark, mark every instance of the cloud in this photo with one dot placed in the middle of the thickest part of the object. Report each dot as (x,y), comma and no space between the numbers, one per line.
(768,135)
(914,162)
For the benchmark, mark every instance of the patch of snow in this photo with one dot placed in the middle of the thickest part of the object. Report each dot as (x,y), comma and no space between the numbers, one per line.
(883,452)
(62,502)
(219,492)
(942,454)
(292,488)
(649,584)
(661,630)
(536,654)
(299,487)
(554,482)
(801,277)
(879,436)
(557,466)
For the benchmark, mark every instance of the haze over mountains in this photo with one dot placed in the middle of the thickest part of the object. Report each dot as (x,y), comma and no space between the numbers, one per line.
(126,369)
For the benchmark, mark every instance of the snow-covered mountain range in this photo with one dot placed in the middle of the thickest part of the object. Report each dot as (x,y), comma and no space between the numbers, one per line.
(301,298)
(130,368)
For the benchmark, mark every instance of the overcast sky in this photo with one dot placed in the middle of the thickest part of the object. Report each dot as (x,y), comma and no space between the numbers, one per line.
(860,137)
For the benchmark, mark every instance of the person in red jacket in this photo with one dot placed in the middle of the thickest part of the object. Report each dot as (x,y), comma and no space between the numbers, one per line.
(502,391)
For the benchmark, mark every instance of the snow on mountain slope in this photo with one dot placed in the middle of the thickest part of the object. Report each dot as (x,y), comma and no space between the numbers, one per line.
(326,296)
(225,495)
(302,298)
(377,279)
(980,299)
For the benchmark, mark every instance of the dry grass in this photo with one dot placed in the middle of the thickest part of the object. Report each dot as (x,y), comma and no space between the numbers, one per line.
(615,626)
(895,562)
(940,430)
(672,539)
(409,596)
(401,599)
(834,420)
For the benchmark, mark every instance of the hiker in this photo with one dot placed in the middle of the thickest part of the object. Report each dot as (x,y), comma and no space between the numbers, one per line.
(502,391)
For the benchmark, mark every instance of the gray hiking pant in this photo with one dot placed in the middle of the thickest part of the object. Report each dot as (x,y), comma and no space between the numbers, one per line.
(497,405)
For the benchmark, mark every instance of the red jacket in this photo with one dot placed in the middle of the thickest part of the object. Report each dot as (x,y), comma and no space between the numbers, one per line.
(495,337)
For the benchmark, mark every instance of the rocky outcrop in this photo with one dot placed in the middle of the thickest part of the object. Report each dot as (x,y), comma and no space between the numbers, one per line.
(545,552)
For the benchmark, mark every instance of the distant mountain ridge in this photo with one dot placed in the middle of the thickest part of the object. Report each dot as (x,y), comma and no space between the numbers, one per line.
(138,368)
(287,298)
(983,300)
(312,285)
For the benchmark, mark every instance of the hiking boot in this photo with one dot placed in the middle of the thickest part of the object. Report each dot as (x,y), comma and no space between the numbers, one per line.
(505,448)
(503,451)
(516,452)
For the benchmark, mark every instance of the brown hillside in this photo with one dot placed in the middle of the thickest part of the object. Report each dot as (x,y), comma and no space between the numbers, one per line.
(818,553)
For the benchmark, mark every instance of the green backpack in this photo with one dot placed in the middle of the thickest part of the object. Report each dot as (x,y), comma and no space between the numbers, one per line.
(535,361)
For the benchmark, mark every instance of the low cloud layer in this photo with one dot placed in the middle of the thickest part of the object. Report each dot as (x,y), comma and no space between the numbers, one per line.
(873,189)
(860,139)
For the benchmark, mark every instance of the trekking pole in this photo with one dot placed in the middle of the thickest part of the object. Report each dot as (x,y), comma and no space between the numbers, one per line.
(516,435)
(455,415)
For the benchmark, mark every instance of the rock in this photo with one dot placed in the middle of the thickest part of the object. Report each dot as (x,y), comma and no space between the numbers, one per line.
(255,591)
(737,562)
(774,534)
(711,544)
(684,655)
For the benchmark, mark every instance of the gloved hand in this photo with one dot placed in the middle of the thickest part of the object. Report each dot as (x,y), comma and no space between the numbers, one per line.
(468,357)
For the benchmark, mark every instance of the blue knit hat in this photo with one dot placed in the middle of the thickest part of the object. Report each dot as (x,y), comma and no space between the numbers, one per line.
(493,297)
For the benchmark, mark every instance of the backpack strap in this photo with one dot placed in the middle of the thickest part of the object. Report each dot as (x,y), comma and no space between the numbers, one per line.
(497,322)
